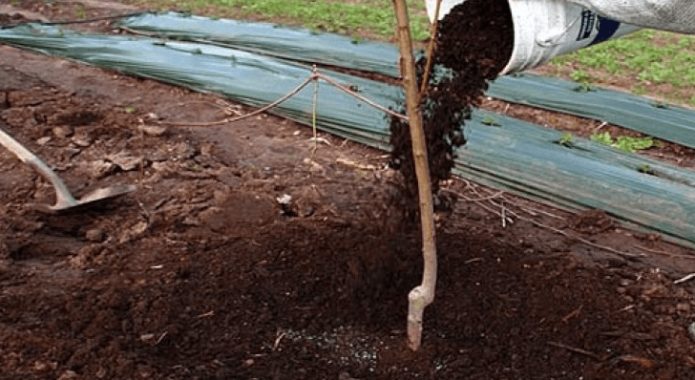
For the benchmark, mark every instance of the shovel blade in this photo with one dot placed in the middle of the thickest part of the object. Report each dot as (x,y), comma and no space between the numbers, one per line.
(92,198)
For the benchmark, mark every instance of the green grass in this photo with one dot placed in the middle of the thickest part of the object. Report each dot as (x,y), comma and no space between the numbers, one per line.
(657,64)
(359,18)
(648,62)
(624,143)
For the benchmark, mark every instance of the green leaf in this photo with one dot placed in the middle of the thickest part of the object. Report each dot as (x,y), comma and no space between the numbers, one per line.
(624,143)
(646,169)
(488,120)
(580,76)
(566,139)
(603,138)
(584,87)
(633,144)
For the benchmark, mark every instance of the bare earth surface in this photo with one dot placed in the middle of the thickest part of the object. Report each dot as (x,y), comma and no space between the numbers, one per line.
(202,274)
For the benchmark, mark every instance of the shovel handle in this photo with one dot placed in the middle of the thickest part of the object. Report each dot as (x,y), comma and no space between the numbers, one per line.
(63,195)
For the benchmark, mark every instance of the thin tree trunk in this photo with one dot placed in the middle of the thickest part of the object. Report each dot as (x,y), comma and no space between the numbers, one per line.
(423,295)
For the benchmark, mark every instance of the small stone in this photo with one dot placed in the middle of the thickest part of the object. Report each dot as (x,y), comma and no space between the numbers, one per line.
(284,199)
(287,206)
(101,168)
(153,130)
(82,140)
(44,140)
(249,362)
(191,221)
(95,235)
(621,290)
(124,161)
(160,166)
(62,132)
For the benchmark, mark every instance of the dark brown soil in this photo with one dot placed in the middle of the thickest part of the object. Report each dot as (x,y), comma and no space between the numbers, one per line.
(10,20)
(474,43)
(201,274)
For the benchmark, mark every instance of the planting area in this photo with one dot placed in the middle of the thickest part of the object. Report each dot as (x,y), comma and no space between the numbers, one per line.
(210,271)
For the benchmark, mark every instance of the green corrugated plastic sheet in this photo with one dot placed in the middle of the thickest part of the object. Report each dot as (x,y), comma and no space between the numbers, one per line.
(296,44)
(516,155)
(671,123)
(666,122)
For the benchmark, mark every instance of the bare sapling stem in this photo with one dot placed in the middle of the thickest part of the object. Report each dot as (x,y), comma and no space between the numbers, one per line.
(423,295)
(431,47)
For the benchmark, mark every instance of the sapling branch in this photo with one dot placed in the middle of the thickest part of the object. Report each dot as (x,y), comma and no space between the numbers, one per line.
(431,47)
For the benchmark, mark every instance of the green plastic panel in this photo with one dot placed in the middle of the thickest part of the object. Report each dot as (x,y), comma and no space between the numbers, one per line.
(666,122)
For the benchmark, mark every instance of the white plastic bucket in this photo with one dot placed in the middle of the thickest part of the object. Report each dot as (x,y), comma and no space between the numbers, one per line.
(544,29)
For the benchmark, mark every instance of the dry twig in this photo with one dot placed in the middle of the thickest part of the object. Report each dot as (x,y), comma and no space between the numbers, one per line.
(573,314)
(685,279)
(575,350)
(314,77)
(538,224)
(258,111)
(479,202)
(364,99)
(664,253)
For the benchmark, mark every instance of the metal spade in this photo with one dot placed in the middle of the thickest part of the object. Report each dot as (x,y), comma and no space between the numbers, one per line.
(65,201)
